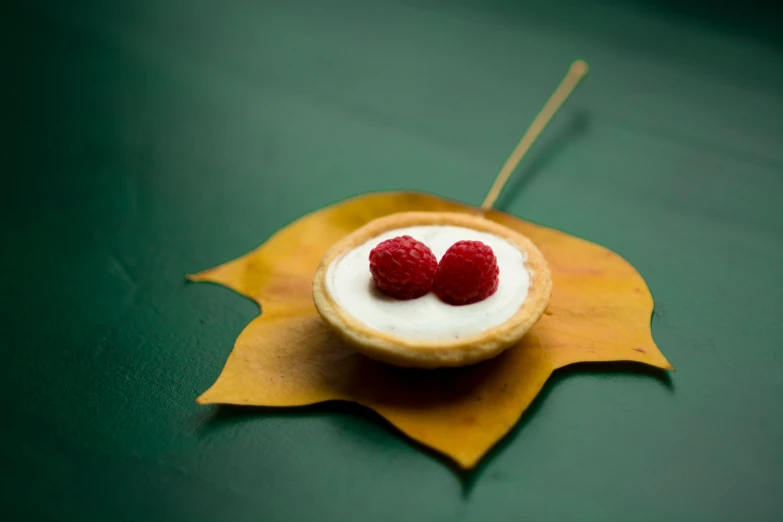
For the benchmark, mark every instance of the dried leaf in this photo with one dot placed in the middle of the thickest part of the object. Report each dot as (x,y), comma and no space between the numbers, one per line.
(600,311)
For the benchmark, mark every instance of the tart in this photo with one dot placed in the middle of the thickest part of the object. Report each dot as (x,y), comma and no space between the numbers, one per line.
(426,332)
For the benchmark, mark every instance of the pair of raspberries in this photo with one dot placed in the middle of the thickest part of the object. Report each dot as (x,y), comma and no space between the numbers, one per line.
(405,268)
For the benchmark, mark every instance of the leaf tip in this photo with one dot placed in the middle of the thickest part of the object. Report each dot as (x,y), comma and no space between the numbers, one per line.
(665,364)
(466,463)
(197,278)
(204,398)
(465,459)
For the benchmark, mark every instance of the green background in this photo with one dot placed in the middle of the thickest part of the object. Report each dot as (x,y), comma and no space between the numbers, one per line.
(145,140)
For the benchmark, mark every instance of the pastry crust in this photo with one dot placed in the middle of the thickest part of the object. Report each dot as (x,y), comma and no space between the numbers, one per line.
(427,353)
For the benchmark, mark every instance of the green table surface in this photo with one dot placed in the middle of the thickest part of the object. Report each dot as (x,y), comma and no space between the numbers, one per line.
(143,140)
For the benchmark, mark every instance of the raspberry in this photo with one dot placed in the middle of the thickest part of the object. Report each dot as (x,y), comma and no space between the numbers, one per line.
(403,267)
(467,273)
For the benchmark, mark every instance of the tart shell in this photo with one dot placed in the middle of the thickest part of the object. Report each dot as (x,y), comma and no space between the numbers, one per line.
(427,353)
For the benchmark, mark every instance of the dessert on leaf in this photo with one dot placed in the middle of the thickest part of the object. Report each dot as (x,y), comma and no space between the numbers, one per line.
(415,280)
(447,289)
(432,289)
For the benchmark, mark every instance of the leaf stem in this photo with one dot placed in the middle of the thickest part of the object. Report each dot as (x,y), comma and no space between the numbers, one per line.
(575,73)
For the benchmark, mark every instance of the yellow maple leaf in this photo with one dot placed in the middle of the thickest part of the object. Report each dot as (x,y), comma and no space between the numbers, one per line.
(599,311)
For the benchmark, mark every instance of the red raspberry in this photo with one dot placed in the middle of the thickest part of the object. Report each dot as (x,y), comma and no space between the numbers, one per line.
(403,267)
(467,273)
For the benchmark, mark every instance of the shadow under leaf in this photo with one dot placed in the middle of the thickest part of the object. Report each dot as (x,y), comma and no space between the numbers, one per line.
(224,415)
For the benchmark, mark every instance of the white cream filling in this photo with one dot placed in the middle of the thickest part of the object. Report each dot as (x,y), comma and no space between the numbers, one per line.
(350,284)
